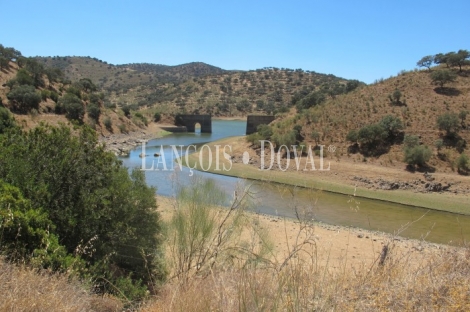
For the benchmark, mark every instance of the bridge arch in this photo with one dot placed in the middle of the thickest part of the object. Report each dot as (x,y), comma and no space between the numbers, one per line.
(190,121)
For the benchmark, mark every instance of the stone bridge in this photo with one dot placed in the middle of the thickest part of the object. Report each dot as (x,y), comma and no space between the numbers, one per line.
(254,121)
(190,121)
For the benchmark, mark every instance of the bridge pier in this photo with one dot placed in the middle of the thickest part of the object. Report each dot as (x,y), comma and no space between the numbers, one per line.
(253,121)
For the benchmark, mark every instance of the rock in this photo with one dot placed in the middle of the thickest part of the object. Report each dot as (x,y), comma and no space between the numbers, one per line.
(360,236)
(156,155)
(142,155)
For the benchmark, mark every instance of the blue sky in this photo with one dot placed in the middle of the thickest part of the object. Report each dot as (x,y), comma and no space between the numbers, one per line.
(363,40)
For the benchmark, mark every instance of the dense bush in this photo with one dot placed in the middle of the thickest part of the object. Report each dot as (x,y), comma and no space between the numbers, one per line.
(24,98)
(94,112)
(96,210)
(449,122)
(73,106)
(463,164)
(415,154)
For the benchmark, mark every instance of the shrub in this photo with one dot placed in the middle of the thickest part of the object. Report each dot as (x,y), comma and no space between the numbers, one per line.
(352,136)
(463,164)
(94,112)
(6,120)
(157,117)
(108,123)
(448,122)
(25,98)
(73,107)
(98,212)
(372,134)
(417,155)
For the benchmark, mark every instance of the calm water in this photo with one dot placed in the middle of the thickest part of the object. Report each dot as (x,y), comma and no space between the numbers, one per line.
(275,199)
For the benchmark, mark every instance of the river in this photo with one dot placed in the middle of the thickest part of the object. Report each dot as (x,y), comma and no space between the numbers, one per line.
(283,201)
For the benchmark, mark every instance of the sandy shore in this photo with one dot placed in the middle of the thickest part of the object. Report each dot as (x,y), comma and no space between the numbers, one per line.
(336,247)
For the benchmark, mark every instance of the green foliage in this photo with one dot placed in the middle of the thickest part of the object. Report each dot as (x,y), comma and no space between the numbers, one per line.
(373,134)
(4,62)
(157,117)
(108,123)
(352,136)
(426,61)
(75,91)
(97,210)
(417,155)
(442,77)
(352,85)
(94,112)
(316,136)
(463,164)
(313,99)
(203,236)
(393,125)
(411,141)
(87,85)
(395,96)
(127,110)
(24,78)
(265,131)
(287,138)
(25,98)
(448,122)
(25,233)
(45,94)
(73,107)
(458,59)
(6,120)
(36,70)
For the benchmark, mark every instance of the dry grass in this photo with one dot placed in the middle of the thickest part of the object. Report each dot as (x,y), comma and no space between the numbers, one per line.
(25,289)
(439,283)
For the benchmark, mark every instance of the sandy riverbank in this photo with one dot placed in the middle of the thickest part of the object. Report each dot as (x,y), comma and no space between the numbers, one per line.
(337,247)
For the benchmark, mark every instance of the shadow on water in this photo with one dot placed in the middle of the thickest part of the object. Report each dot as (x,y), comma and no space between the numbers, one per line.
(281,200)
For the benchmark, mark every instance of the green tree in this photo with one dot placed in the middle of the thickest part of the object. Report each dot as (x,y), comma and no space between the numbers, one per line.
(73,107)
(94,112)
(417,155)
(36,70)
(99,212)
(458,59)
(6,120)
(426,61)
(87,85)
(24,98)
(157,117)
(373,134)
(463,164)
(24,78)
(4,62)
(395,96)
(352,136)
(442,77)
(448,122)
(393,125)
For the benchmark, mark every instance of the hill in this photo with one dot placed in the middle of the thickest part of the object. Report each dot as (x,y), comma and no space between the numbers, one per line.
(194,87)
(35,93)
(413,99)
(121,77)
(267,90)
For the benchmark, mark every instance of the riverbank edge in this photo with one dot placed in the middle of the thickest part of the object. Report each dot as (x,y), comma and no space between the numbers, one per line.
(432,201)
